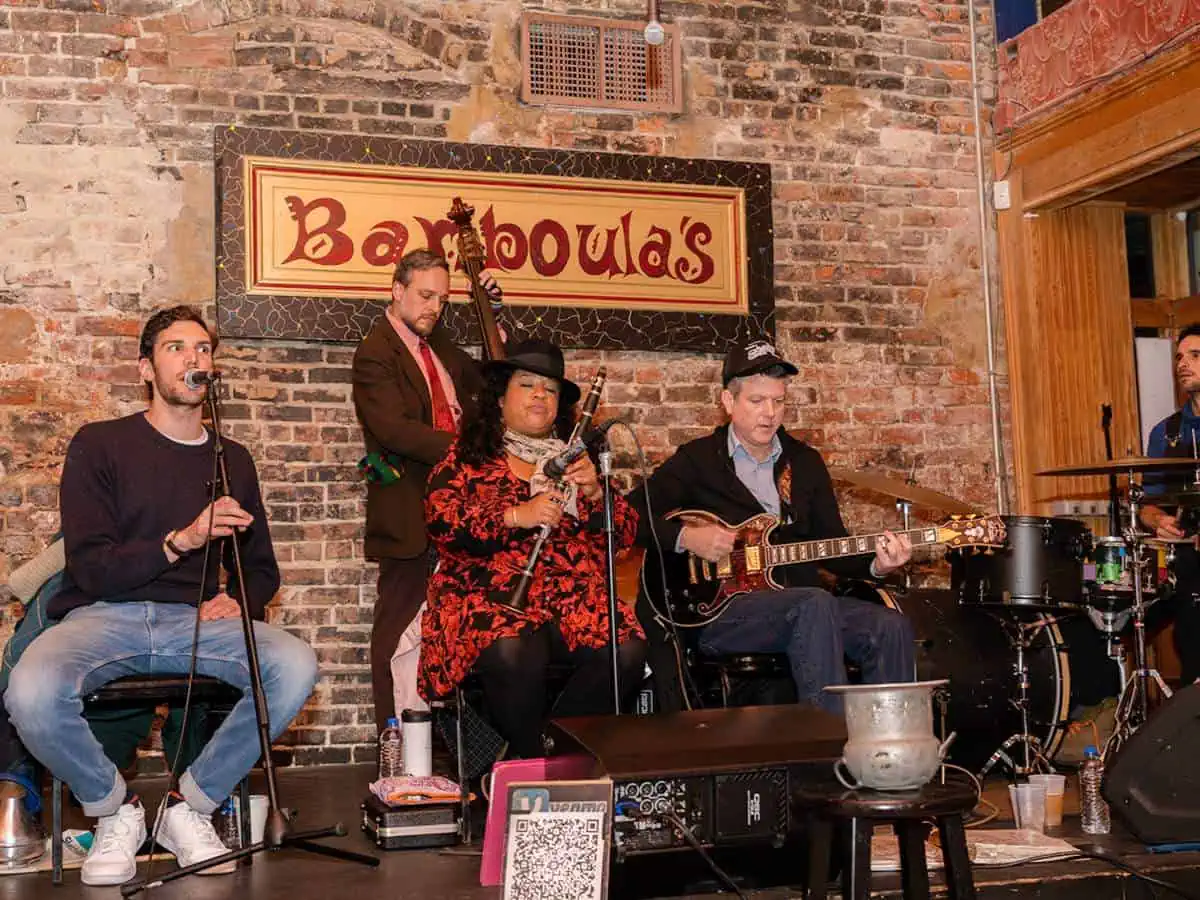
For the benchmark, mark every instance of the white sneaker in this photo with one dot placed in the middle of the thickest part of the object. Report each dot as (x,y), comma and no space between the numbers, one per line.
(191,837)
(113,857)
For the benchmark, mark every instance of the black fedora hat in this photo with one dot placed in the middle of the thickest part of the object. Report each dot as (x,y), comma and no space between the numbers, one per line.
(541,358)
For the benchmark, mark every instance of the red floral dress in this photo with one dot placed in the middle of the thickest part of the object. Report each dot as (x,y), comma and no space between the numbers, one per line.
(481,560)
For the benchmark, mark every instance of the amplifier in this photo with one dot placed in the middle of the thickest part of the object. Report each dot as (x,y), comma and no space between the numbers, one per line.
(649,815)
(725,775)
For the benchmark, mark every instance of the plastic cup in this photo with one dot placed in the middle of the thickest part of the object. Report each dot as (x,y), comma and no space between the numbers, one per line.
(1055,786)
(258,816)
(1029,805)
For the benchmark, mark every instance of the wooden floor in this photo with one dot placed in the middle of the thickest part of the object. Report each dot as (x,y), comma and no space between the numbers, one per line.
(328,794)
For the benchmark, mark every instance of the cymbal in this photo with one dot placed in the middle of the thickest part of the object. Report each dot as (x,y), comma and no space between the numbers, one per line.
(902,490)
(1126,464)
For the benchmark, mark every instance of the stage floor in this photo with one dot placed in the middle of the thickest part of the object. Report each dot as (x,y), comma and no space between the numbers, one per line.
(332,793)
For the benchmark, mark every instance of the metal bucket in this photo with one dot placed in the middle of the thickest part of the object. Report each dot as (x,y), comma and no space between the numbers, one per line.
(22,840)
(891,744)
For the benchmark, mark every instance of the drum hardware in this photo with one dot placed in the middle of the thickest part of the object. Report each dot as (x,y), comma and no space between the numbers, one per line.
(1035,759)
(1134,704)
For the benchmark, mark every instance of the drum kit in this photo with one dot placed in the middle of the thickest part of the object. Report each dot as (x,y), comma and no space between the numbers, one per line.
(1052,569)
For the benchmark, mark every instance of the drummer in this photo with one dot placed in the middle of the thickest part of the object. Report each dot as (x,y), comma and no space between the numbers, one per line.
(1178,435)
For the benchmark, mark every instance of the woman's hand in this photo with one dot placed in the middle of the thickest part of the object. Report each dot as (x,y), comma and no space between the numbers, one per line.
(582,473)
(544,509)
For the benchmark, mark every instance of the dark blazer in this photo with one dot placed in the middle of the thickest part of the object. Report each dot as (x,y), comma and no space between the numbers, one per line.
(393,406)
(701,476)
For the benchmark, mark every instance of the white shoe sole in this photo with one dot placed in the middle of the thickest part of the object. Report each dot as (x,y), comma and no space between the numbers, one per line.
(107,880)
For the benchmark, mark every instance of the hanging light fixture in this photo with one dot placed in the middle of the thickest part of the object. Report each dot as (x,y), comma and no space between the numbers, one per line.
(654,33)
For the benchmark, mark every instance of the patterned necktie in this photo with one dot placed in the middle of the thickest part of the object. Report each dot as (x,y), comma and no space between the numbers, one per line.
(443,415)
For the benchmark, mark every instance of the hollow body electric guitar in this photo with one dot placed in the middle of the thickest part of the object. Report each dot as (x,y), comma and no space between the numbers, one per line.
(699,591)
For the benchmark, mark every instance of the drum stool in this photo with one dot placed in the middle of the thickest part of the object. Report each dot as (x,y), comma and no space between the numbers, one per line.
(857,812)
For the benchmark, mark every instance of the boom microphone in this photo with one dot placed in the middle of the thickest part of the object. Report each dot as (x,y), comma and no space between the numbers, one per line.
(195,378)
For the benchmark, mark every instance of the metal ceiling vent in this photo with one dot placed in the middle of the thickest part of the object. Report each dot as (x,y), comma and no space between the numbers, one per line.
(605,63)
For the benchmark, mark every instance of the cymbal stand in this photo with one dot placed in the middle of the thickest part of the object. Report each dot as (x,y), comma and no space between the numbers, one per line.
(1134,705)
(1021,636)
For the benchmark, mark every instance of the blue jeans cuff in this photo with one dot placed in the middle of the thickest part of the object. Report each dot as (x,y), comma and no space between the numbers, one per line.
(196,798)
(108,805)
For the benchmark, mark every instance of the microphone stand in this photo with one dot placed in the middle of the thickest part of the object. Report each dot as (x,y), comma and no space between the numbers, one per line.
(610,558)
(276,835)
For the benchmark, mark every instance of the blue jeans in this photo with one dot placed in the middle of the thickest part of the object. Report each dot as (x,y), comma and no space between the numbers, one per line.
(96,644)
(817,631)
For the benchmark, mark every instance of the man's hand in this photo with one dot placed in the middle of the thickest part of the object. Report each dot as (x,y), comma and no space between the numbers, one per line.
(491,287)
(544,509)
(227,517)
(582,473)
(711,542)
(1163,524)
(892,552)
(221,606)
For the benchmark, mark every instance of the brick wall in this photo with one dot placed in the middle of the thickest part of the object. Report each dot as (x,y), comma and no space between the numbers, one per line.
(107,110)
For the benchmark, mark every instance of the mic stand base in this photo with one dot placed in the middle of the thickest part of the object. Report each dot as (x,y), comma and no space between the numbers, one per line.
(300,840)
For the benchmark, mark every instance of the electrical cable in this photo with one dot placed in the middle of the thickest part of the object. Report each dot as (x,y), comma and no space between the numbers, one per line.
(686,682)
(695,844)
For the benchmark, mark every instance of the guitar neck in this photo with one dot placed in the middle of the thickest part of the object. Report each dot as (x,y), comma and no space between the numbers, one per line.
(834,548)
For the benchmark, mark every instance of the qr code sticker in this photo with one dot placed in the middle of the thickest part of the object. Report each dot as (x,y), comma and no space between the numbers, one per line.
(555,856)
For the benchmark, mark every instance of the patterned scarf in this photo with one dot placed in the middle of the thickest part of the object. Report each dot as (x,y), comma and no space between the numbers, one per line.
(537,452)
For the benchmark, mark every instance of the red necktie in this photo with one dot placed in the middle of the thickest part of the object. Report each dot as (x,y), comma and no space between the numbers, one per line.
(443,415)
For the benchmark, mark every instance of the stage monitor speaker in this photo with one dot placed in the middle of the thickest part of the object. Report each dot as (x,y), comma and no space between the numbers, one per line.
(725,774)
(1153,783)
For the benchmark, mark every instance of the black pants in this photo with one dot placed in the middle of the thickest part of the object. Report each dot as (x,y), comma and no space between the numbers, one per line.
(514,670)
(400,595)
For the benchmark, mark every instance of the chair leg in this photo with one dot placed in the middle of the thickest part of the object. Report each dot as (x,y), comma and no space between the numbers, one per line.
(914,874)
(856,867)
(464,827)
(56,831)
(959,879)
(820,846)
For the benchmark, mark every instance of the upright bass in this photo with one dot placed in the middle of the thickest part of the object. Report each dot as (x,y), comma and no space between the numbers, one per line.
(474,261)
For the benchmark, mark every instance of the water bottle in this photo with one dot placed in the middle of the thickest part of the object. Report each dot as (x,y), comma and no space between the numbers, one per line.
(391,762)
(228,828)
(1092,807)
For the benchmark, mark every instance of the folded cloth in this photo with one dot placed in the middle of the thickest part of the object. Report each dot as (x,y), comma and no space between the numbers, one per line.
(413,790)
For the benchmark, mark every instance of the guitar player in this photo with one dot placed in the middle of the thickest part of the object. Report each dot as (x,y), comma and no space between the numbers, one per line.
(742,470)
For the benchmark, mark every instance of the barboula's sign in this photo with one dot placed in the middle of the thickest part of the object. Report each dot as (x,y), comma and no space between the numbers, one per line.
(591,249)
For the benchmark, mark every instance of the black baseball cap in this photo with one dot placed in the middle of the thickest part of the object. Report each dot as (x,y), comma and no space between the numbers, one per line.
(752,358)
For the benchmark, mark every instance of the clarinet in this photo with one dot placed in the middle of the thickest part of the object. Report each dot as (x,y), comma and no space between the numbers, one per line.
(575,449)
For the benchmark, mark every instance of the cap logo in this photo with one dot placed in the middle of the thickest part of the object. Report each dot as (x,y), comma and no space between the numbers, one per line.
(759,348)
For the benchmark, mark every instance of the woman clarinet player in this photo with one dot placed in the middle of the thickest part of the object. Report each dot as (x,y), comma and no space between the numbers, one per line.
(484,506)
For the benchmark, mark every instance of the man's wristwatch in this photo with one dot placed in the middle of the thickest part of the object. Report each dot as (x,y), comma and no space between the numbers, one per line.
(169,541)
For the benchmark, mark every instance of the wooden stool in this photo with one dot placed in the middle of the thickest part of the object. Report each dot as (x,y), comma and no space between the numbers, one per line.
(859,811)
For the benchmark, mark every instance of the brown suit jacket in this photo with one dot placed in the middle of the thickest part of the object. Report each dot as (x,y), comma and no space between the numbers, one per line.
(393,406)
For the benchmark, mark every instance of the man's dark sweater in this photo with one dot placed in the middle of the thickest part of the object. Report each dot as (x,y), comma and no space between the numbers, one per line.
(701,476)
(124,486)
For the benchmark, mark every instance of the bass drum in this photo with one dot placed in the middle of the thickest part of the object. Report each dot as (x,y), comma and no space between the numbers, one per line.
(971,646)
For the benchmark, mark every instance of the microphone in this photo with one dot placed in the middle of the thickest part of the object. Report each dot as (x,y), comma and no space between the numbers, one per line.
(577,446)
(195,378)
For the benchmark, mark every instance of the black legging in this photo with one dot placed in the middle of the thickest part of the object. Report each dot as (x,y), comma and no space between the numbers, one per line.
(513,672)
